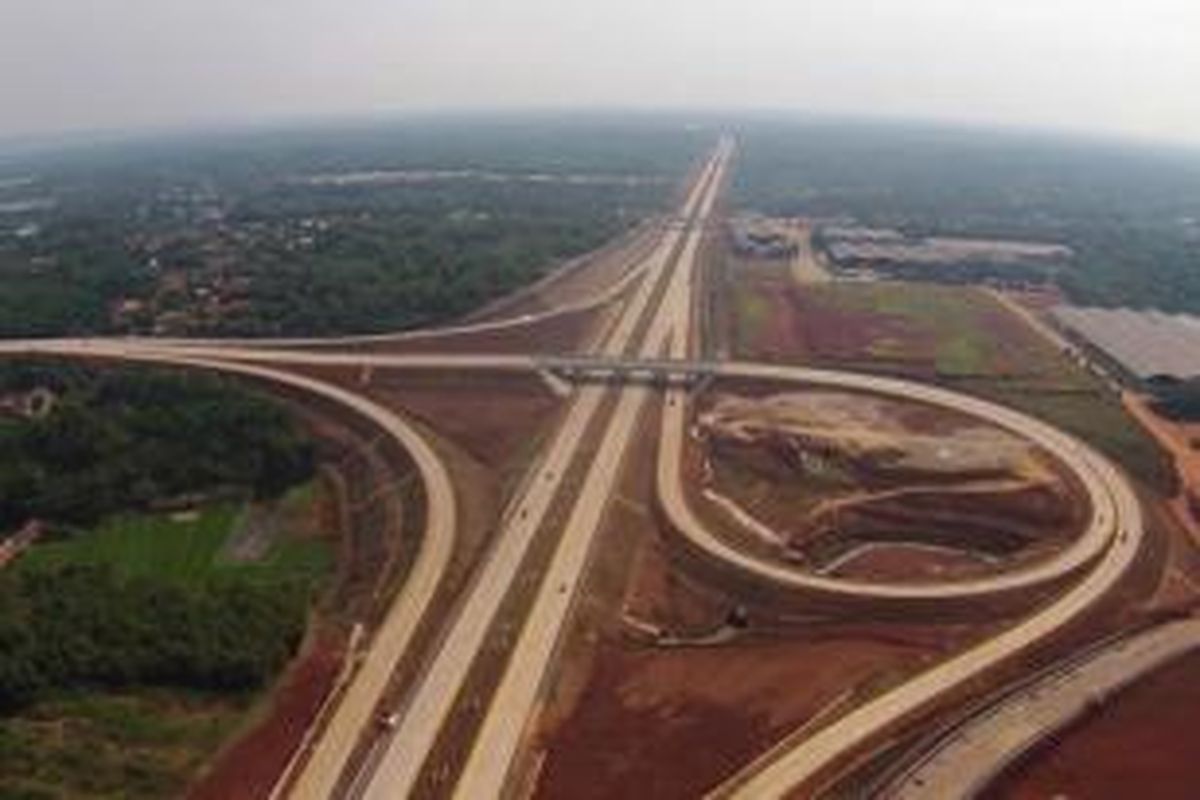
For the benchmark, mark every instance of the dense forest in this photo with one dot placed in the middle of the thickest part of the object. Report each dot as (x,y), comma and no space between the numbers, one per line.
(349,228)
(115,440)
(89,626)
(1131,213)
(125,438)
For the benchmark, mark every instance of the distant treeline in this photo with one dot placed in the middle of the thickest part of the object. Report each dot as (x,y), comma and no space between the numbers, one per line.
(127,438)
(1131,214)
(385,256)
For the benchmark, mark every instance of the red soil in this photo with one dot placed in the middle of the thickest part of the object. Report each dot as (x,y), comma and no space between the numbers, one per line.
(836,335)
(802,326)
(249,768)
(1177,439)
(659,595)
(663,722)
(492,420)
(778,337)
(1040,299)
(799,328)
(668,723)
(1142,744)
(1017,349)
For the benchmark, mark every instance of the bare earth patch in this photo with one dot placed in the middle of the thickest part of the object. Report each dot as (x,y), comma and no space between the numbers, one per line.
(851,484)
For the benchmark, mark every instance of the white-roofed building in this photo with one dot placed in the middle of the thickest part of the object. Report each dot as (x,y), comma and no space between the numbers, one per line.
(1150,345)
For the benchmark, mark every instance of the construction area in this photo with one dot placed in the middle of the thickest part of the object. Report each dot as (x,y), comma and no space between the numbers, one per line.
(868,488)
(693,517)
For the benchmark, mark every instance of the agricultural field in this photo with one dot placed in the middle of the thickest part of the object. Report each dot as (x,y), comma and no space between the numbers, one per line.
(108,737)
(957,336)
(188,549)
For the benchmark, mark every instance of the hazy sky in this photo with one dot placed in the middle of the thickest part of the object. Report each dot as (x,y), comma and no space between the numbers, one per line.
(1129,66)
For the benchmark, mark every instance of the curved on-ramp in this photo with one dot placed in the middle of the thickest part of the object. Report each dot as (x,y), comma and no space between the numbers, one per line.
(1109,547)
(354,712)
(1093,472)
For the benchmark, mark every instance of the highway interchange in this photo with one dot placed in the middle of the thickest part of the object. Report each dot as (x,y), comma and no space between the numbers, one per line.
(656,325)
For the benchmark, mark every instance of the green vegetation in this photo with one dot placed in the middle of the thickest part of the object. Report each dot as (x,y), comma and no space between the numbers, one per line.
(752,312)
(962,330)
(89,625)
(185,551)
(1005,362)
(1095,416)
(964,339)
(321,230)
(143,743)
(1132,214)
(133,641)
(181,552)
(130,653)
(128,438)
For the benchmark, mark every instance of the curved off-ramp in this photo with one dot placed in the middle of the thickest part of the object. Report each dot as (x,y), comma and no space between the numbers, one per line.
(354,712)
(638,256)
(1099,480)
(798,768)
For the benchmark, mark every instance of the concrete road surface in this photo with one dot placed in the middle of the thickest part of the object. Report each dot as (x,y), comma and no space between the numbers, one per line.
(779,773)
(975,754)
(355,712)
(1101,556)
(499,738)
(426,710)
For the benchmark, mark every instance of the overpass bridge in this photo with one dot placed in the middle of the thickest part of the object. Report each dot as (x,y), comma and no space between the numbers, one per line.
(657,372)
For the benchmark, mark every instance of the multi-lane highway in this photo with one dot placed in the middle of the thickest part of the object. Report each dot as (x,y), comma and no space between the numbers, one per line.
(512,706)
(655,323)
(392,770)
(426,710)
(355,710)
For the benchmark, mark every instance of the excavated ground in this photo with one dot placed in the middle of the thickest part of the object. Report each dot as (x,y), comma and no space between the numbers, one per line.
(579,280)
(667,686)
(876,488)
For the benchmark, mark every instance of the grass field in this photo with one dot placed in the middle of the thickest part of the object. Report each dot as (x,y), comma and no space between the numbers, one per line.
(957,336)
(1098,418)
(187,551)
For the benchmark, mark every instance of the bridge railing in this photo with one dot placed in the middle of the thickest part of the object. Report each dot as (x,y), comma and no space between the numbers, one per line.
(623,370)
